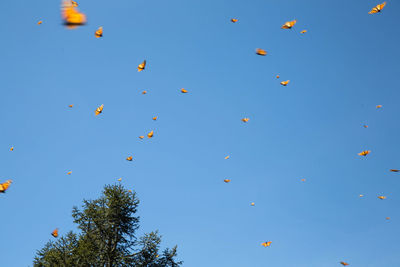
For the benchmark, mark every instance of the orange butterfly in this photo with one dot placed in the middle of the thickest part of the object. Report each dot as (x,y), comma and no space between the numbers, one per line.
(365,126)
(74,4)
(378,106)
(141,137)
(277,76)
(99,110)
(377,8)
(361,195)
(252,203)
(119,179)
(245,119)
(71,105)
(303,180)
(55,233)
(227,157)
(382,197)
(303,31)
(387,218)
(234,20)
(364,153)
(99,32)
(284,83)
(150,134)
(261,52)
(227,180)
(69,173)
(141,66)
(344,263)
(394,170)
(184,91)
(39,22)
(11,148)
(129,158)
(266,244)
(289,24)
(4,186)
(70,14)
(155,118)
(144,92)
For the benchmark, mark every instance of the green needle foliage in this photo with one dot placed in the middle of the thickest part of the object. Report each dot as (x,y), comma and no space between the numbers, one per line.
(107,237)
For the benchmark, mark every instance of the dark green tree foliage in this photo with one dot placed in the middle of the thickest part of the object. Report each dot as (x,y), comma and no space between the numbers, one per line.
(107,237)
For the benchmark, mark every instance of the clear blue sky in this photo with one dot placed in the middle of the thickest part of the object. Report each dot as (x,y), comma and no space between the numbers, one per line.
(345,65)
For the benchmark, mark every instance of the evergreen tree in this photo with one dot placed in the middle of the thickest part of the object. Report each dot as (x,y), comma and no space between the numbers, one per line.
(107,237)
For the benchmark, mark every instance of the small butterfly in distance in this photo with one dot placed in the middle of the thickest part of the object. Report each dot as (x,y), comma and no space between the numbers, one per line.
(39,22)
(119,179)
(284,83)
(69,173)
(55,233)
(4,186)
(99,110)
(252,203)
(130,158)
(344,263)
(70,106)
(12,148)
(183,91)
(150,134)
(245,119)
(141,66)
(266,244)
(394,170)
(361,195)
(141,137)
(303,31)
(378,106)
(261,52)
(155,118)
(234,20)
(99,32)
(382,197)
(377,8)
(364,153)
(227,157)
(227,180)
(289,24)
(144,92)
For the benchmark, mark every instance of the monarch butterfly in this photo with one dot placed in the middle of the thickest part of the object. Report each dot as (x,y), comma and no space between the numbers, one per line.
(378,106)
(99,32)
(55,233)
(155,118)
(245,119)
(183,91)
(69,173)
(70,14)
(99,110)
(4,186)
(284,83)
(277,76)
(74,4)
(394,170)
(141,137)
(129,158)
(227,157)
(303,31)
(144,92)
(119,179)
(266,244)
(382,197)
(377,8)
(364,153)
(344,263)
(227,180)
(11,148)
(234,20)
(141,66)
(289,24)
(39,22)
(261,52)
(150,134)
(252,203)
(71,105)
